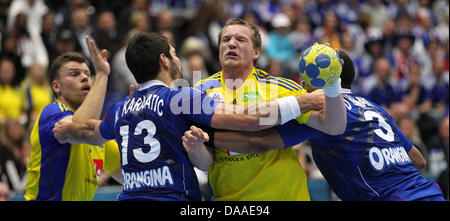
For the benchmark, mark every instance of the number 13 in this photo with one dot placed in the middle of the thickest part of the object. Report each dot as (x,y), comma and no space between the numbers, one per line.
(148,140)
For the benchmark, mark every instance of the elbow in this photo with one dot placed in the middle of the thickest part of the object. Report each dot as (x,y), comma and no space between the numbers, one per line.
(421,164)
(338,129)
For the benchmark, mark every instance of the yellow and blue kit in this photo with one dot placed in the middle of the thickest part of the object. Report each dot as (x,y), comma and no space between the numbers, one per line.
(274,175)
(68,172)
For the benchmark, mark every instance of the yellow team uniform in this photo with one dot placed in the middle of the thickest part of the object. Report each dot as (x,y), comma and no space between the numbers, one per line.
(10,103)
(65,171)
(274,175)
(36,97)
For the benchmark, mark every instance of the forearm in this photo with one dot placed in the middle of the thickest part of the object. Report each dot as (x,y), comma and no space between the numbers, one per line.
(248,142)
(85,132)
(91,108)
(335,115)
(256,116)
(202,157)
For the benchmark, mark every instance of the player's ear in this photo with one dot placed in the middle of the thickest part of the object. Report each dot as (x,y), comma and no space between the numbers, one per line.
(164,60)
(256,53)
(55,87)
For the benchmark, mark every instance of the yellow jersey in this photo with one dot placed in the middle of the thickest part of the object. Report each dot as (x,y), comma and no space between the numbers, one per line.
(68,172)
(274,175)
(11,105)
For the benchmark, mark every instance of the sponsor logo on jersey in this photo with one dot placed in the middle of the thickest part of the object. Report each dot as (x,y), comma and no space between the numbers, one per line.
(250,96)
(98,166)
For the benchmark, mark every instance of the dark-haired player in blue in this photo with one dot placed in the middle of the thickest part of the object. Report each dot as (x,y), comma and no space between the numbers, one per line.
(371,161)
(148,125)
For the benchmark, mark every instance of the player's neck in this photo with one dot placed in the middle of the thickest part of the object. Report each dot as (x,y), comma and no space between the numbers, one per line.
(164,77)
(235,77)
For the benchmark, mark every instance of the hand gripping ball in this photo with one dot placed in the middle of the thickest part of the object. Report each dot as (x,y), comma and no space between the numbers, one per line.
(320,66)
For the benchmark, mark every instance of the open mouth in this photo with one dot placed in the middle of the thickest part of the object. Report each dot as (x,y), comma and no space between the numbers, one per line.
(232,54)
(86,88)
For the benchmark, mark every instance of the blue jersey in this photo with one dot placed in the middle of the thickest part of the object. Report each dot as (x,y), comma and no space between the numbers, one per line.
(148,128)
(369,161)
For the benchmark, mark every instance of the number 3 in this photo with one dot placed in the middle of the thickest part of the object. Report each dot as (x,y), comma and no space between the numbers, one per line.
(389,136)
(148,140)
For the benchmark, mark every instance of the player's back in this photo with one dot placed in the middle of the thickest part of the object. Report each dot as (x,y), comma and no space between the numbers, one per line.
(148,130)
(370,160)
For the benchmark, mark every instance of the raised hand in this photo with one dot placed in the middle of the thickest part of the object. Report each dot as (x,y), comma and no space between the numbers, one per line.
(99,59)
(194,138)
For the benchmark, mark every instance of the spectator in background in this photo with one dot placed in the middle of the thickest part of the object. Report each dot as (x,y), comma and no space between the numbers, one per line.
(165,21)
(438,148)
(65,42)
(413,93)
(33,11)
(193,59)
(5,194)
(81,28)
(440,89)
(125,15)
(106,34)
(9,50)
(379,87)
(15,155)
(280,47)
(139,20)
(301,35)
(401,55)
(64,14)
(378,12)
(49,35)
(121,77)
(29,44)
(329,31)
(10,104)
(36,92)
(409,128)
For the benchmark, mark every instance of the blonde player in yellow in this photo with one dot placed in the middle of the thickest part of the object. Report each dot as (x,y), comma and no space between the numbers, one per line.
(274,175)
(70,172)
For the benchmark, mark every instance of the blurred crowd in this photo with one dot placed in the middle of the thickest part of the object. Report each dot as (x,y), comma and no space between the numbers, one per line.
(400,49)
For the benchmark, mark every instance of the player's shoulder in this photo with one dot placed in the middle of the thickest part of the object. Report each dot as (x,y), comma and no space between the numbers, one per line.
(210,82)
(285,83)
(55,108)
(52,113)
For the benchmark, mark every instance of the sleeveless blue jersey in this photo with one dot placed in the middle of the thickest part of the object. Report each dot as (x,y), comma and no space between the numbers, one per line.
(148,128)
(369,161)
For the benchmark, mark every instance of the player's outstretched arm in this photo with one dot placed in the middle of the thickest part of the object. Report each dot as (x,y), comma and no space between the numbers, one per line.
(93,103)
(240,142)
(264,114)
(199,154)
(67,131)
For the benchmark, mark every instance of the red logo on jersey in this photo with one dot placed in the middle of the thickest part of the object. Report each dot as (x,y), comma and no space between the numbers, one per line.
(98,165)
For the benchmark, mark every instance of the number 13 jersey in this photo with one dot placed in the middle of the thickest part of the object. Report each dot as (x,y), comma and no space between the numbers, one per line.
(148,127)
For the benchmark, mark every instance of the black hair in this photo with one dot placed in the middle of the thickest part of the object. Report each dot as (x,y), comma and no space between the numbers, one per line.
(348,70)
(142,55)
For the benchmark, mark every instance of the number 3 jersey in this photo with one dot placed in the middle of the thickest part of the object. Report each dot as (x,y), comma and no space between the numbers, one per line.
(148,127)
(369,161)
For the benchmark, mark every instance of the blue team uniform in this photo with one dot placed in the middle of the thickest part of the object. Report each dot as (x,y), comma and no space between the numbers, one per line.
(148,128)
(369,161)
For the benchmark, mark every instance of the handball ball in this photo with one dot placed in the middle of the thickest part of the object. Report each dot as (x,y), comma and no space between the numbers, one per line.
(320,66)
